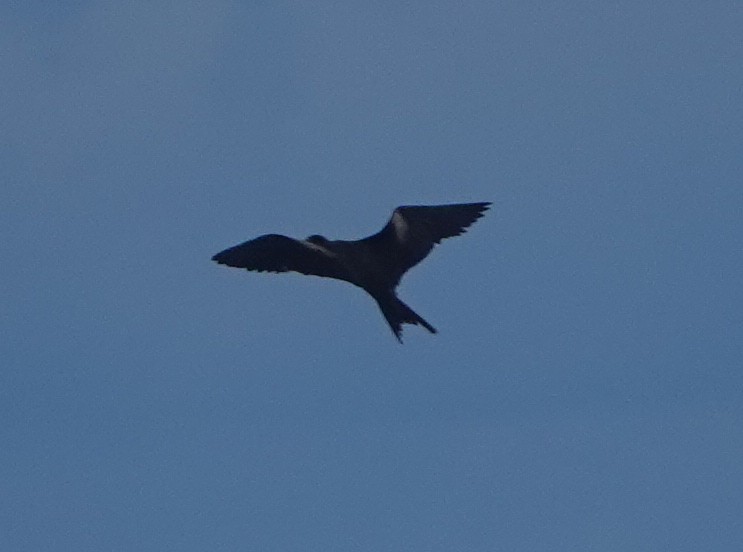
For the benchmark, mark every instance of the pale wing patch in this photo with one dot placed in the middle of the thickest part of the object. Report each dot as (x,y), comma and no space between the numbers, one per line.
(402,229)
(317,248)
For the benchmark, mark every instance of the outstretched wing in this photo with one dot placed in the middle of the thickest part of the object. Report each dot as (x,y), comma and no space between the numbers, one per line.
(412,232)
(276,253)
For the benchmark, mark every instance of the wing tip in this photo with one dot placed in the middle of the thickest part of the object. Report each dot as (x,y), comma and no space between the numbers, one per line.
(219,258)
(228,257)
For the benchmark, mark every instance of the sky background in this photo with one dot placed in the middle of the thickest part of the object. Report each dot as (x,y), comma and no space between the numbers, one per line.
(585,389)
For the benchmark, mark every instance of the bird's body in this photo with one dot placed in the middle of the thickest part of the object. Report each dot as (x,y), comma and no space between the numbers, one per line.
(375,263)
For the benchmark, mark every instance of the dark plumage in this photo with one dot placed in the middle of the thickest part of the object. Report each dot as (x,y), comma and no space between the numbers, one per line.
(376,263)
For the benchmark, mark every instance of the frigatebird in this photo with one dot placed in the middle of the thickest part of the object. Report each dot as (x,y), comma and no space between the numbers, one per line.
(375,263)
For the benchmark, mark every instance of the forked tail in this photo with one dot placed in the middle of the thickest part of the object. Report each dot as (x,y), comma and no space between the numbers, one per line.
(398,313)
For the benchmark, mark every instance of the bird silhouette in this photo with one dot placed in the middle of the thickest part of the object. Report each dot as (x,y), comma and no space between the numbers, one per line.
(375,263)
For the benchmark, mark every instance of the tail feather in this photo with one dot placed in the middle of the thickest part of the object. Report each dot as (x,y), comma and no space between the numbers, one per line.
(398,313)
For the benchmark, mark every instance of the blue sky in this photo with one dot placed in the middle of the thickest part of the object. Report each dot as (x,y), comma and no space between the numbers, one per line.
(584,391)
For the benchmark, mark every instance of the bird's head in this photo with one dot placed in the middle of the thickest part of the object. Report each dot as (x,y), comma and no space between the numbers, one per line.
(317,239)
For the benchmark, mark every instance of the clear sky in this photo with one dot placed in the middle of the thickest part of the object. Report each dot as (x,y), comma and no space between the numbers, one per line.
(585,389)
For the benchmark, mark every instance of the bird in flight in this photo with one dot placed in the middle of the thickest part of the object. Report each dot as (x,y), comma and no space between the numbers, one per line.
(375,263)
